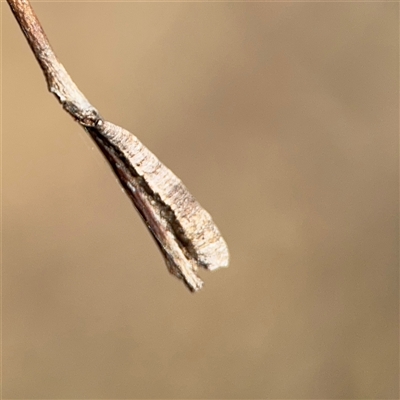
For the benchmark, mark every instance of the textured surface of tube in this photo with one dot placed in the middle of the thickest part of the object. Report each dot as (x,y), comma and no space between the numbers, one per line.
(185,232)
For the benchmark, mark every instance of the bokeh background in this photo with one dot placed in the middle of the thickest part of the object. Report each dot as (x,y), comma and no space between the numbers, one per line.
(282,119)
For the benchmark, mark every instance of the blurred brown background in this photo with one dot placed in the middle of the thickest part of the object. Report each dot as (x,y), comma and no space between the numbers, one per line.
(282,119)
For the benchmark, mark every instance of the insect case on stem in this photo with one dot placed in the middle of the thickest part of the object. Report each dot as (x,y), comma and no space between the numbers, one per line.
(183,230)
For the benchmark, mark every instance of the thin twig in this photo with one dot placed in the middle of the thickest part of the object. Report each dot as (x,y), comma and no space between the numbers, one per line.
(183,230)
(57,78)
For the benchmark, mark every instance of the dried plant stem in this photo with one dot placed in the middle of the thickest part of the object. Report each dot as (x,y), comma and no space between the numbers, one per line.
(57,78)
